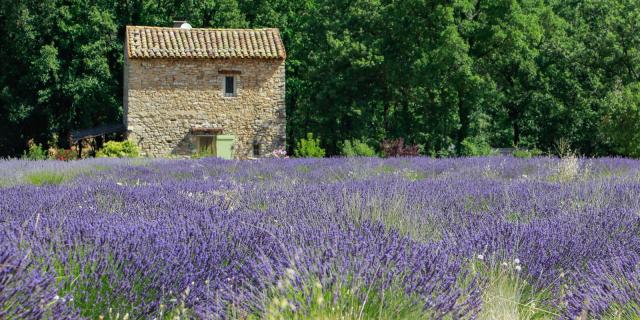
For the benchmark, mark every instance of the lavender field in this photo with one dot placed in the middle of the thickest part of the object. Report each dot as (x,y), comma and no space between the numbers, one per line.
(405,238)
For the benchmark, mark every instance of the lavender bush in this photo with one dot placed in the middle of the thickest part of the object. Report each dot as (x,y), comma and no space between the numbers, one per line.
(399,238)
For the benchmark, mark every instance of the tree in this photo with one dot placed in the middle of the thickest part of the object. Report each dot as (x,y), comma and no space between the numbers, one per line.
(621,121)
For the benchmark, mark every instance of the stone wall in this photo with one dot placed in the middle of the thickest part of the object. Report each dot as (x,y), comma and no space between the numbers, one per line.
(165,98)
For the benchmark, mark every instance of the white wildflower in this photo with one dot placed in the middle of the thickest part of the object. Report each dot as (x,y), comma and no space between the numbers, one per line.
(518,268)
(504,264)
(291,274)
(480,257)
(516,261)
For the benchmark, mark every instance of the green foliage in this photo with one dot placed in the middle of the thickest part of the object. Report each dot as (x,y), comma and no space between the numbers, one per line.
(95,298)
(621,121)
(526,153)
(617,311)
(356,148)
(115,149)
(508,295)
(309,148)
(521,73)
(202,154)
(474,146)
(41,178)
(35,152)
(348,299)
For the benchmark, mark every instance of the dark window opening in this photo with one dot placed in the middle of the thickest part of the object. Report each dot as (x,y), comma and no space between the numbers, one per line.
(256,149)
(206,145)
(229,86)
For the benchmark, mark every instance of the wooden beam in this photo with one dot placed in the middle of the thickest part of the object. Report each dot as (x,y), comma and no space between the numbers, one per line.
(224,71)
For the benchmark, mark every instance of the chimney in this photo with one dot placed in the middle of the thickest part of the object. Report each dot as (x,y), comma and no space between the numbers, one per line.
(178,23)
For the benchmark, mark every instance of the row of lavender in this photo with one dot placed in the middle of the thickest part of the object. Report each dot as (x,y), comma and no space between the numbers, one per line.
(211,238)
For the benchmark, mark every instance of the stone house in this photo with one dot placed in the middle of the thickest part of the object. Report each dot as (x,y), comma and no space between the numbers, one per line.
(213,91)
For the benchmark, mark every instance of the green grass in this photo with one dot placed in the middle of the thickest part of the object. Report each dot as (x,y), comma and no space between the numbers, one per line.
(349,300)
(41,178)
(303,168)
(507,295)
(97,299)
(385,169)
(622,312)
(413,175)
(392,212)
(109,201)
(4,183)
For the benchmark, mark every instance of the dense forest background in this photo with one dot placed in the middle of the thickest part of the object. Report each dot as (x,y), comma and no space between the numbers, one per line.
(504,72)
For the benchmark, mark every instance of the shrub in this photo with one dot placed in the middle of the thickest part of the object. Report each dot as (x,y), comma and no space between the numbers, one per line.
(526,153)
(35,152)
(65,154)
(621,122)
(474,147)
(116,149)
(309,148)
(356,148)
(396,148)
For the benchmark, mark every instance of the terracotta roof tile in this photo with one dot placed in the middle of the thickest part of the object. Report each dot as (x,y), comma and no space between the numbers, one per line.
(156,42)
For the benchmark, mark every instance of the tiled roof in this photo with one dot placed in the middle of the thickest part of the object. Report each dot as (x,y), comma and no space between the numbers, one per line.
(158,43)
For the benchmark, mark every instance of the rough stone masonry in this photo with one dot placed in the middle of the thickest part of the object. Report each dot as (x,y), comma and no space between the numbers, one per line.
(176,87)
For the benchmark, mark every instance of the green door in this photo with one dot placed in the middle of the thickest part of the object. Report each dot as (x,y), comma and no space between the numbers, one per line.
(224,146)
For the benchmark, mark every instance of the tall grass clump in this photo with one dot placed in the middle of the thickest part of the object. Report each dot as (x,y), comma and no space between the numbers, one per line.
(41,178)
(507,294)
(348,299)
(568,166)
(391,210)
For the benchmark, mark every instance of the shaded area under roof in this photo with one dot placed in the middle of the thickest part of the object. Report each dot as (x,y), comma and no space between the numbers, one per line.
(78,135)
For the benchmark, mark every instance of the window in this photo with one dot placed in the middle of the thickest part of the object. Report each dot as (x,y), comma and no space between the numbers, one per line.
(206,145)
(229,86)
(256,149)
